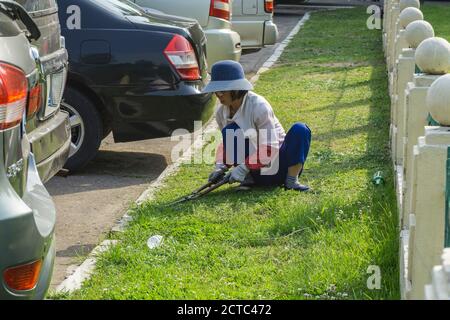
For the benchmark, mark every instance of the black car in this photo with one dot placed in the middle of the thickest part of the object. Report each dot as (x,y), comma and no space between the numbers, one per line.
(134,73)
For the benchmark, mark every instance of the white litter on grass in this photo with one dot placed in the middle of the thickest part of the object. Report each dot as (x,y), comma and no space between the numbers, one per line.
(122,223)
(154,241)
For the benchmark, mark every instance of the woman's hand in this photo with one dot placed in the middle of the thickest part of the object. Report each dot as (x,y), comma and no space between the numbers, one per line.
(239,173)
(218,173)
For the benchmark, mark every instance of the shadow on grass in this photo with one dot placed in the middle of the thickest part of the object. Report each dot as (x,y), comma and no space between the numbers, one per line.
(384,195)
(383,205)
(343,105)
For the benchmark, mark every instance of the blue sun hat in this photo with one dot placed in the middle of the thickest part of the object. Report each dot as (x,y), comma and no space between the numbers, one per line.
(227,75)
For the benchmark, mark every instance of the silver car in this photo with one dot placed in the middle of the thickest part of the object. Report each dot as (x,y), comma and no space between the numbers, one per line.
(253,20)
(27,212)
(47,126)
(214,17)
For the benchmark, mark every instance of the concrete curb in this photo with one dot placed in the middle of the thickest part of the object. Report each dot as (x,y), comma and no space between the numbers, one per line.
(84,271)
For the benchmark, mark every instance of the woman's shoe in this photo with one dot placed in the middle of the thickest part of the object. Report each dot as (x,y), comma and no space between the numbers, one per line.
(247,184)
(292,183)
(298,187)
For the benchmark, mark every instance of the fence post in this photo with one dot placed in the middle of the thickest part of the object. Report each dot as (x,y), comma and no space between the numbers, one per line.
(386,5)
(447,203)
(414,120)
(430,180)
(406,17)
(403,73)
(393,17)
(439,289)
(427,223)
(414,116)
(387,25)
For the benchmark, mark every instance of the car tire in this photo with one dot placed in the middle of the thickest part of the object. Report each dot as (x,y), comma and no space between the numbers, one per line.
(86,139)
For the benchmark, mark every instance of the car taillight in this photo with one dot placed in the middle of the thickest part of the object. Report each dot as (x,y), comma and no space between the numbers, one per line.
(23,277)
(220,9)
(34,102)
(182,56)
(268,6)
(13,95)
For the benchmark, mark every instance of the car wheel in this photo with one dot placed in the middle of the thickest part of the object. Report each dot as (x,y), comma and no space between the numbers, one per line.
(86,139)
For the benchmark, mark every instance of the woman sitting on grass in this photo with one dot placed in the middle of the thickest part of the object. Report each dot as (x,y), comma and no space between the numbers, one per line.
(253,140)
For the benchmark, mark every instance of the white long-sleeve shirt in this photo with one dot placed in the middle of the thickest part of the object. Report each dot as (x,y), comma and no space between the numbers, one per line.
(258,122)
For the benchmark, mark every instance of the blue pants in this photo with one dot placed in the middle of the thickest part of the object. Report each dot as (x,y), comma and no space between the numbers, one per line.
(293,151)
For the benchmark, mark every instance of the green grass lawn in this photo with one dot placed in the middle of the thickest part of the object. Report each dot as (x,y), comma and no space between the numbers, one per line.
(268,243)
(439,16)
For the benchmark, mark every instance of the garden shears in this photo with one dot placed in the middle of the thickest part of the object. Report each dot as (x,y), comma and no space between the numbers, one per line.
(203,190)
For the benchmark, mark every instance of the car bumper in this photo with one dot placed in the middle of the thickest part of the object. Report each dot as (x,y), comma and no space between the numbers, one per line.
(270,33)
(26,232)
(256,34)
(51,144)
(222,44)
(153,114)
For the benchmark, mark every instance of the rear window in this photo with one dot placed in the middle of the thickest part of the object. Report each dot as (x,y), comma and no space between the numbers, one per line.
(122,7)
(7,27)
(37,5)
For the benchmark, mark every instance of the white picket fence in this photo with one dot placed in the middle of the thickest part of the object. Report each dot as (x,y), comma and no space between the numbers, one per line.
(417,64)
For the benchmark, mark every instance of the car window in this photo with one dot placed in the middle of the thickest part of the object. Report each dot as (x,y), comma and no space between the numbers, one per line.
(7,27)
(122,7)
(37,5)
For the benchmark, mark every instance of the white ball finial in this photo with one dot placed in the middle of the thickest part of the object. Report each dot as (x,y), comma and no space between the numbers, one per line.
(409,3)
(433,56)
(438,100)
(418,31)
(409,15)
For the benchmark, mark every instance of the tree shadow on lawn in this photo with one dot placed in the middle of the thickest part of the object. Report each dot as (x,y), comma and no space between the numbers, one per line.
(314,67)
(343,105)
(384,195)
(381,198)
